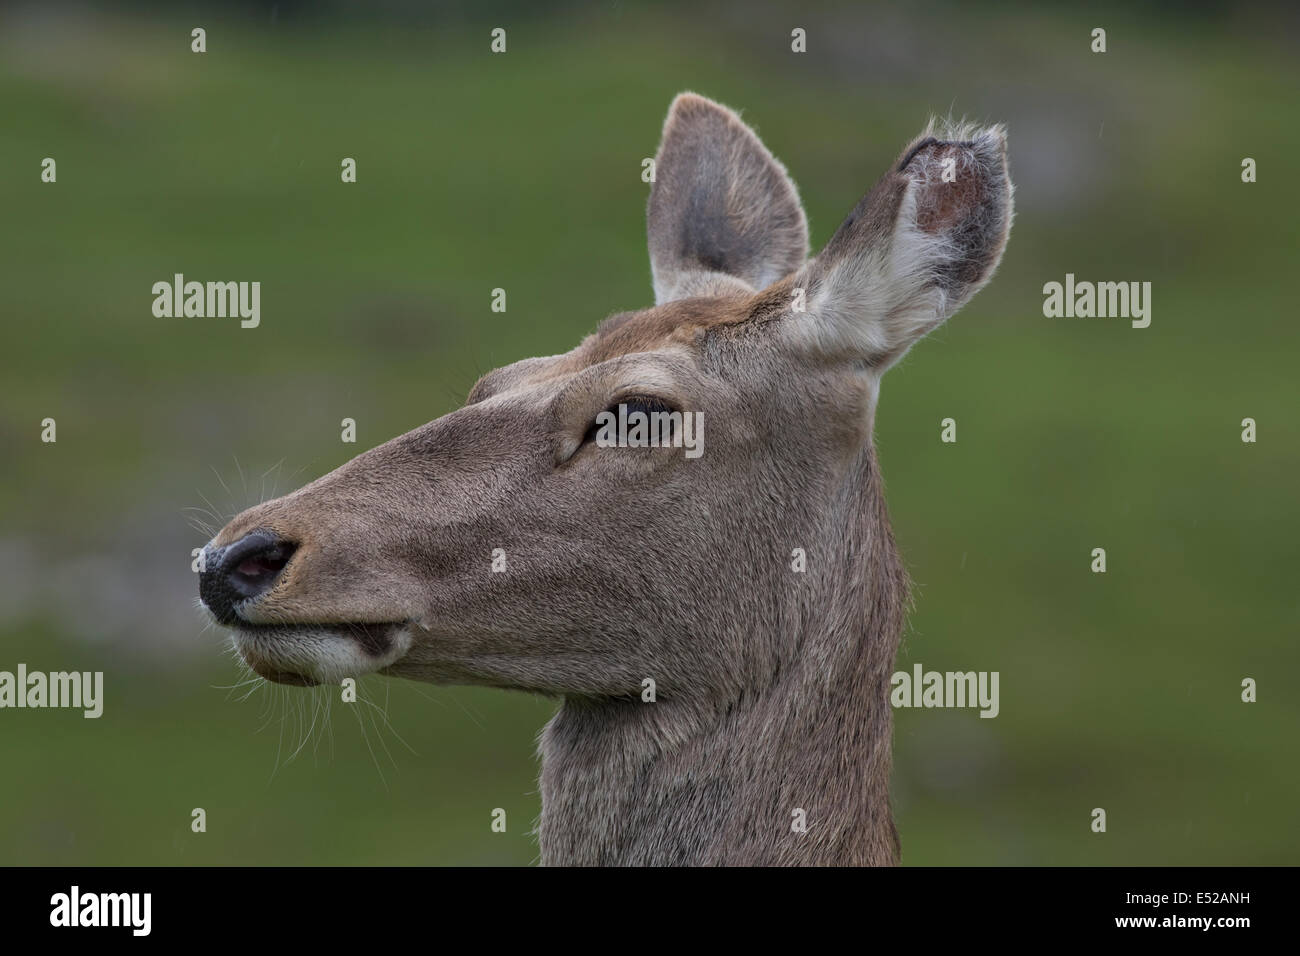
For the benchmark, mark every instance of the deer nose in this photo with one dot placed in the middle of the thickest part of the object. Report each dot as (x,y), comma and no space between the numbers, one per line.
(241,571)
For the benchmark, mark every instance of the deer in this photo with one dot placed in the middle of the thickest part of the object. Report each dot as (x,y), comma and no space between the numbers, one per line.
(756,588)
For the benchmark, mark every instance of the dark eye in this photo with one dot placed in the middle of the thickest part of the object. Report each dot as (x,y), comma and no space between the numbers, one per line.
(645,404)
(642,403)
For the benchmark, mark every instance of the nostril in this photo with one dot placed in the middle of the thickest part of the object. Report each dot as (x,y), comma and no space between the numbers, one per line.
(260,568)
(245,569)
(254,562)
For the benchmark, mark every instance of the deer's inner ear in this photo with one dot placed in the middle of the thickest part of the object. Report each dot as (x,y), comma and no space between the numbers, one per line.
(924,240)
(723,216)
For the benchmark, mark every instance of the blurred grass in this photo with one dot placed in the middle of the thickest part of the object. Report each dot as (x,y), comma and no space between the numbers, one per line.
(523,171)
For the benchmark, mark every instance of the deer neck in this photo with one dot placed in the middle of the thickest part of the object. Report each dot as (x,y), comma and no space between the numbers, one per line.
(795,772)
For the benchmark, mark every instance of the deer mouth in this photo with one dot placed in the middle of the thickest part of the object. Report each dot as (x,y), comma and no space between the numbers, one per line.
(239,577)
(305,655)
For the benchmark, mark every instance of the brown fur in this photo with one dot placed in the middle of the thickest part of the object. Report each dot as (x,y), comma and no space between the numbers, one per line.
(633,563)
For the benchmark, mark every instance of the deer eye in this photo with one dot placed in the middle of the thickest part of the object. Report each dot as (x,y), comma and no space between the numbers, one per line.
(646,404)
(642,403)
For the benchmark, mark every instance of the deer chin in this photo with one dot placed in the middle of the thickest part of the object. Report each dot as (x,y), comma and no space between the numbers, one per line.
(304,655)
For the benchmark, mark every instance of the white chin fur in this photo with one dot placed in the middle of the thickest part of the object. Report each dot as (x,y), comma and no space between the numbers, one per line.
(322,655)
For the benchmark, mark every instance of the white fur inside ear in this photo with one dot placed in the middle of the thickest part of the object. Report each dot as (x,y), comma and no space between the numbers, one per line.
(869,305)
(873,300)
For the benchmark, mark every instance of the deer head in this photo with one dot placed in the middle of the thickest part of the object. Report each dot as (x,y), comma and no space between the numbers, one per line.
(502,545)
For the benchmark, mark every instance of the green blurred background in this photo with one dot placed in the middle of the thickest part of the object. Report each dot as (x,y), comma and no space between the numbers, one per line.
(522,171)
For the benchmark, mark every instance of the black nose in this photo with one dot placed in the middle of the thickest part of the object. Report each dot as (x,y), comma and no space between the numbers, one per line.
(242,570)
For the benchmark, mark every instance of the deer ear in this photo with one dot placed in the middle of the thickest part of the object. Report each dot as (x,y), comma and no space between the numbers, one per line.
(924,240)
(723,214)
